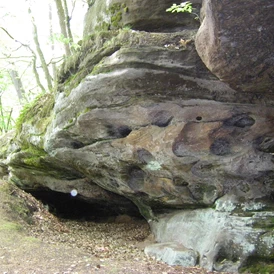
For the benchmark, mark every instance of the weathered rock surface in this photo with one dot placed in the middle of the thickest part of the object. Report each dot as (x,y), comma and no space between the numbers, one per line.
(226,239)
(150,16)
(139,120)
(173,254)
(235,41)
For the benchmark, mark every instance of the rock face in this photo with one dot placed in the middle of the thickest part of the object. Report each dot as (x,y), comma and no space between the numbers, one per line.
(139,120)
(224,240)
(173,254)
(150,16)
(235,41)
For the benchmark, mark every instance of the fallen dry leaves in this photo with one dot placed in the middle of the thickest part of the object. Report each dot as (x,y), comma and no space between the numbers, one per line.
(118,246)
(74,246)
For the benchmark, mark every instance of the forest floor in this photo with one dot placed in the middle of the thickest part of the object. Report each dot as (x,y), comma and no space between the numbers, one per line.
(34,241)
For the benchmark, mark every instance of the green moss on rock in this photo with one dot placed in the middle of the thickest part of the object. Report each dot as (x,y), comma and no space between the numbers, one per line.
(115,19)
(116,12)
(258,265)
(31,156)
(265,223)
(36,111)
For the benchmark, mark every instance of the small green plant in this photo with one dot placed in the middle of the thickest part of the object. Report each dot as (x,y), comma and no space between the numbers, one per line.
(61,39)
(184,7)
(6,121)
(127,27)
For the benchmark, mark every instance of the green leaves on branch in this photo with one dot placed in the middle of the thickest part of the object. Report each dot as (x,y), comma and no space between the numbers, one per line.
(65,40)
(185,7)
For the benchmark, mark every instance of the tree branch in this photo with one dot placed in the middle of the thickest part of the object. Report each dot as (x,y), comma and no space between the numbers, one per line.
(8,33)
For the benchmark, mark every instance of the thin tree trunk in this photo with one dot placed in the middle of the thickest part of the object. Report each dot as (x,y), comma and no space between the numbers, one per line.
(9,119)
(63,26)
(53,64)
(40,54)
(36,74)
(67,21)
(17,83)
(2,121)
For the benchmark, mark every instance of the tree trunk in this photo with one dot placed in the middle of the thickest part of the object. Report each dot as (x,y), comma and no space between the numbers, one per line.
(63,25)
(36,74)
(53,64)
(41,55)
(17,83)
(68,21)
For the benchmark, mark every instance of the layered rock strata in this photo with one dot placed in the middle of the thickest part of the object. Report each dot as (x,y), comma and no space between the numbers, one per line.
(138,119)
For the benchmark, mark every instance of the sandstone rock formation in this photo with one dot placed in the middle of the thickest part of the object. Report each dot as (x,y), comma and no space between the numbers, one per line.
(235,41)
(139,120)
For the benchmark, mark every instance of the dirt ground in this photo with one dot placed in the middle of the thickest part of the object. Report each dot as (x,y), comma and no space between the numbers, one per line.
(34,241)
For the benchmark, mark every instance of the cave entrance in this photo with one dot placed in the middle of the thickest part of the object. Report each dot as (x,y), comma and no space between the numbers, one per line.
(65,206)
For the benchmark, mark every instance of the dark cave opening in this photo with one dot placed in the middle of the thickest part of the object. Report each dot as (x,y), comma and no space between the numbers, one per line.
(65,206)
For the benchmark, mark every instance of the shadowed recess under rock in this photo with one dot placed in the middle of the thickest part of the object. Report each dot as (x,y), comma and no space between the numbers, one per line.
(64,205)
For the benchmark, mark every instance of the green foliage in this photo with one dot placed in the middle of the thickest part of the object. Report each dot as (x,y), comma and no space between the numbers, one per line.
(258,265)
(5,115)
(6,121)
(59,37)
(127,27)
(185,7)
(5,81)
(9,226)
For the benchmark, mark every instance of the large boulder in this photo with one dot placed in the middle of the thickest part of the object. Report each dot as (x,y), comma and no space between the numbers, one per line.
(235,41)
(139,120)
(151,15)
(224,240)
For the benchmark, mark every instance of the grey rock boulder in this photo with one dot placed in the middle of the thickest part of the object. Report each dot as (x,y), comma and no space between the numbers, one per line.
(235,41)
(225,241)
(173,254)
(150,16)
